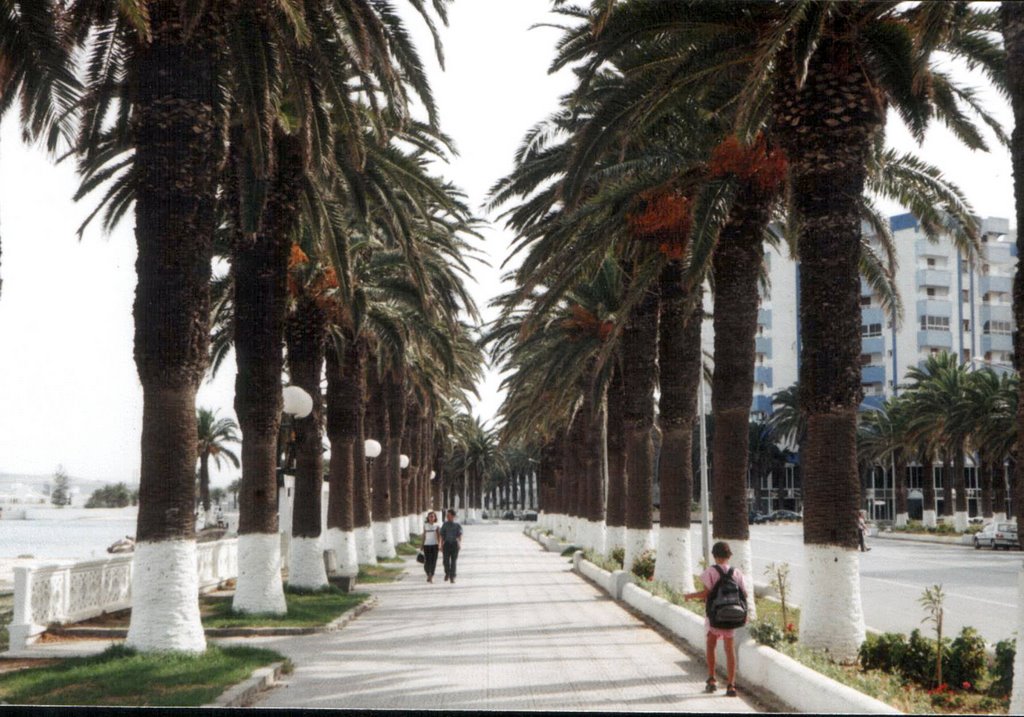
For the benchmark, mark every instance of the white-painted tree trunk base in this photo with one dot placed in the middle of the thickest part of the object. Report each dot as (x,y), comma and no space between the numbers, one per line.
(1017,695)
(674,566)
(902,519)
(600,537)
(960,521)
(259,588)
(834,619)
(743,558)
(366,547)
(614,538)
(637,541)
(343,543)
(398,531)
(165,598)
(383,540)
(928,519)
(414,525)
(997,517)
(306,564)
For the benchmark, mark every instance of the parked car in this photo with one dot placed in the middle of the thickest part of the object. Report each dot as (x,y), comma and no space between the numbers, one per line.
(530,515)
(508,515)
(755,518)
(997,535)
(780,515)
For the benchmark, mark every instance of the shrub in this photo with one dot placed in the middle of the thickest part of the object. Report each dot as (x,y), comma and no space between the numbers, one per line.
(619,556)
(765,632)
(918,662)
(643,565)
(1002,673)
(965,665)
(883,652)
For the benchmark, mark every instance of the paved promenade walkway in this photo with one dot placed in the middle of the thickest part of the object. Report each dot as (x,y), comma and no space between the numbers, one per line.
(518,631)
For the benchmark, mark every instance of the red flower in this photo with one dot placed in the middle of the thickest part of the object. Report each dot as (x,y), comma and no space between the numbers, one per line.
(966,685)
(790,627)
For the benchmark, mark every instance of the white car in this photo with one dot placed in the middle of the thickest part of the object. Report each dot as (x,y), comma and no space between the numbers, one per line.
(997,535)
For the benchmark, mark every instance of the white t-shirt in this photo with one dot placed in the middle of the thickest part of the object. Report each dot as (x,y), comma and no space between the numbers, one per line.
(429,534)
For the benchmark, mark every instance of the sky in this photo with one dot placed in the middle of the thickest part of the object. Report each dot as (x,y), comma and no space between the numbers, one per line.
(69,392)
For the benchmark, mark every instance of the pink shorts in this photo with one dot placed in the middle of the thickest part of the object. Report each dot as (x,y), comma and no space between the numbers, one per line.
(717,631)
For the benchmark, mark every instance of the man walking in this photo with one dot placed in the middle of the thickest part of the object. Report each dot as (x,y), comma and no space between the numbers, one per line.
(451,542)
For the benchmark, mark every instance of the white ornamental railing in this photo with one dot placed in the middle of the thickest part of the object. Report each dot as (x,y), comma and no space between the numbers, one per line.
(69,593)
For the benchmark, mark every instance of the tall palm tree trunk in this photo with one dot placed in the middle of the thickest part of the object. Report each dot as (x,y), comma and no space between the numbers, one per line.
(928,518)
(204,482)
(1012,15)
(900,489)
(344,406)
(362,500)
(260,265)
(735,266)
(947,485)
(639,377)
(179,152)
(999,489)
(960,486)
(377,424)
(615,512)
(828,126)
(986,468)
(305,337)
(394,395)
(679,364)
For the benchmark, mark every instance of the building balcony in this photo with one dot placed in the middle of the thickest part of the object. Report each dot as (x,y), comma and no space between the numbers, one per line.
(872,374)
(872,315)
(763,374)
(933,277)
(996,342)
(934,307)
(993,284)
(996,312)
(995,225)
(761,404)
(764,318)
(873,345)
(997,252)
(933,338)
(763,345)
(925,248)
(872,402)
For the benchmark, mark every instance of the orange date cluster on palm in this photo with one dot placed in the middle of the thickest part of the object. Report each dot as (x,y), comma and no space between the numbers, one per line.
(763,169)
(663,215)
(584,323)
(316,283)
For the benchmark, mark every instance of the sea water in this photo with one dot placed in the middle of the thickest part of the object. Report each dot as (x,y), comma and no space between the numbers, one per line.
(68,534)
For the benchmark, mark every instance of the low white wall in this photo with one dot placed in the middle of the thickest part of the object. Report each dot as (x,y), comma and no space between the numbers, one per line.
(72,592)
(611,583)
(760,667)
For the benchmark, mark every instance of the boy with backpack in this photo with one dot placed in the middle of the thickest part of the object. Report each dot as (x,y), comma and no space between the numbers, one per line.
(725,595)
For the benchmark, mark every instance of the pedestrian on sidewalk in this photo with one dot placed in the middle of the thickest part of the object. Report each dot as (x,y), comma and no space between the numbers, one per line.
(430,545)
(721,553)
(451,543)
(862,529)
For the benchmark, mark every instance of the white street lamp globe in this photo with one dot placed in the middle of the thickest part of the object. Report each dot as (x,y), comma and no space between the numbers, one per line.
(432,474)
(372,448)
(403,461)
(297,402)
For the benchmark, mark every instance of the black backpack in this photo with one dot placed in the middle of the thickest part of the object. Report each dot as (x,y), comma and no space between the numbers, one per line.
(726,603)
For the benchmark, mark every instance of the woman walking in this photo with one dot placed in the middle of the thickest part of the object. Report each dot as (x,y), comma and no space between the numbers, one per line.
(430,545)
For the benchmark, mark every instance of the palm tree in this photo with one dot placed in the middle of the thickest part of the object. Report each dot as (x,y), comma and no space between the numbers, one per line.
(214,436)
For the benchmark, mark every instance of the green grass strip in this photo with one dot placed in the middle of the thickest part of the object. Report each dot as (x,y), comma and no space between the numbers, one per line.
(305,609)
(120,676)
(371,574)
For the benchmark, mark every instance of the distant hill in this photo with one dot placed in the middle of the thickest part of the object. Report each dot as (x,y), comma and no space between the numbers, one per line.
(81,488)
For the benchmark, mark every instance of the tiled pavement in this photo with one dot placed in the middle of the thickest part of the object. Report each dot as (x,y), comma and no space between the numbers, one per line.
(518,631)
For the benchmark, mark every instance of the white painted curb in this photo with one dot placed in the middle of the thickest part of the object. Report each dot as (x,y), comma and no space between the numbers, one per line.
(798,687)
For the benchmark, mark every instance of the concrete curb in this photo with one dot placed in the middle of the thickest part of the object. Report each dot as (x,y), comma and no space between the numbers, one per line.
(784,679)
(966,540)
(339,622)
(245,693)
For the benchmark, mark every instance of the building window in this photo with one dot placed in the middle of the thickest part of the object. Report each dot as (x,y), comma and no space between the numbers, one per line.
(930,291)
(965,295)
(865,300)
(865,359)
(931,263)
(967,355)
(870,331)
(996,327)
(935,323)
(967,324)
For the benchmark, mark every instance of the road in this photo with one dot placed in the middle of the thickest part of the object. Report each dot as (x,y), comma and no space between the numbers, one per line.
(980,585)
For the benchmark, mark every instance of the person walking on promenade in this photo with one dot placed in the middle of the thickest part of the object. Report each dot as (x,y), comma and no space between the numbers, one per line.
(862,529)
(710,577)
(430,545)
(451,543)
